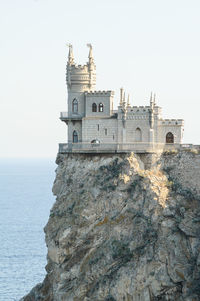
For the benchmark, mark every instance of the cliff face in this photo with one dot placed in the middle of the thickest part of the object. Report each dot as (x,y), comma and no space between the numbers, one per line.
(120,232)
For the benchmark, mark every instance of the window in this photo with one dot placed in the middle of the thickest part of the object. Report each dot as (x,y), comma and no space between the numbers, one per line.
(138,135)
(100,107)
(75,137)
(75,106)
(169,138)
(106,132)
(94,107)
(97,127)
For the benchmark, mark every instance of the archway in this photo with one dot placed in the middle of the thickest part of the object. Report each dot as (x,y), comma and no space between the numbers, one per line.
(169,138)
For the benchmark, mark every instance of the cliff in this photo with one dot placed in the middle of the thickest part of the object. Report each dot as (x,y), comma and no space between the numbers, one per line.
(122,230)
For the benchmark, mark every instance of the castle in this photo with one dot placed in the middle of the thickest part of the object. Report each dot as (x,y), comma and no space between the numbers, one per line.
(94,126)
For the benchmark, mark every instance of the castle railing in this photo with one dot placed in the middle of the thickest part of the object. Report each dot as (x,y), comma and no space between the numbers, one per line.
(138,147)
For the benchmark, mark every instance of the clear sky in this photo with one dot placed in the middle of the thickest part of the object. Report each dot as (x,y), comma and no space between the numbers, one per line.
(142,45)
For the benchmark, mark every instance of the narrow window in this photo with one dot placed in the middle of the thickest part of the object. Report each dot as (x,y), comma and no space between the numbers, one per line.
(94,107)
(75,137)
(100,107)
(106,132)
(169,138)
(138,135)
(97,127)
(113,137)
(75,106)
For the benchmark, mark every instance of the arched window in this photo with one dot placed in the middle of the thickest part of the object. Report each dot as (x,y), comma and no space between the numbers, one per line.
(94,107)
(100,107)
(138,135)
(169,138)
(75,137)
(75,106)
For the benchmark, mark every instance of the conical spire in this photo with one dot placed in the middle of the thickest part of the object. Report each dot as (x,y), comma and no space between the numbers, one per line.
(128,101)
(154,99)
(151,100)
(121,96)
(124,101)
(90,56)
(70,55)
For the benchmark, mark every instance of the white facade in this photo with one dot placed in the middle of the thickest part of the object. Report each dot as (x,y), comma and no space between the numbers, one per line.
(91,116)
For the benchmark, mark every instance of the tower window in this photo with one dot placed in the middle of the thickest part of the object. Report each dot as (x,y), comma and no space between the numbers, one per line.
(106,132)
(100,107)
(169,138)
(75,137)
(98,127)
(94,107)
(75,106)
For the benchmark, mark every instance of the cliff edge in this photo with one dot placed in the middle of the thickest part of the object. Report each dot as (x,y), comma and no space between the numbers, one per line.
(121,230)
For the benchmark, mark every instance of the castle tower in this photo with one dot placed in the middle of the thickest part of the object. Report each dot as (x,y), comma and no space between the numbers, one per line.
(79,79)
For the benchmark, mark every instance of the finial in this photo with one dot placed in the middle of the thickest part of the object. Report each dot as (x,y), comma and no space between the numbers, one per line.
(154,99)
(89,45)
(121,96)
(70,55)
(151,97)
(90,56)
(124,101)
(124,98)
(128,101)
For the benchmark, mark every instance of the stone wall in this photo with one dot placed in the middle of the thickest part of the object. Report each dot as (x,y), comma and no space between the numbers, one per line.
(104,129)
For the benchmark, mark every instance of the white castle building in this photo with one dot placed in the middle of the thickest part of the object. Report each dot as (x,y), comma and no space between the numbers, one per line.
(94,126)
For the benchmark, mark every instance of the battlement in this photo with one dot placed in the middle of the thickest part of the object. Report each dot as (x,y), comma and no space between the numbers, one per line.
(172,122)
(142,109)
(77,68)
(100,93)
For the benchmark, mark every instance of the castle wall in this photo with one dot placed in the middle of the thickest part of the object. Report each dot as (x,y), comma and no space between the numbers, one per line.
(74,126)
(105,98)
(104,129)
(132,125)
(175,130)
(81,102)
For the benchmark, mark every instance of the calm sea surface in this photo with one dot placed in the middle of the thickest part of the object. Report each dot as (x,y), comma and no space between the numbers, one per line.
(25,202)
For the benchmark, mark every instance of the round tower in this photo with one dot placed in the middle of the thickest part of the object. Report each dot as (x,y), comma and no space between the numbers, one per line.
(79,79)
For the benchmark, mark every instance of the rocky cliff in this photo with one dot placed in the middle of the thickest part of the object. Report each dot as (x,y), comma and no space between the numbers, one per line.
(122,230)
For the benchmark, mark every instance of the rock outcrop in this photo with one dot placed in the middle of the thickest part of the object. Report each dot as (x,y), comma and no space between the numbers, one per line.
(120,231)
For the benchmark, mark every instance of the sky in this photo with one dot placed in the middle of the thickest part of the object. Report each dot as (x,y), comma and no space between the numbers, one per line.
(141,45)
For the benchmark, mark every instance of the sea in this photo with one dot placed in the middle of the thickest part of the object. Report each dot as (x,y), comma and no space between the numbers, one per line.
(25,202)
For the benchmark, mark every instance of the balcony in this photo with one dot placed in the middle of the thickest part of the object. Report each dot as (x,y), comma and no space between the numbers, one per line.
(65,116)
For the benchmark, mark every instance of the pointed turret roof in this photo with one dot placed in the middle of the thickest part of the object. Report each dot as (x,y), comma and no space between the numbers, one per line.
(70,55)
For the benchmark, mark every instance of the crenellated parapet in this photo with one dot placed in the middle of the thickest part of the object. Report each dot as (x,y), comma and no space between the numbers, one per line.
(100,93)
(172,122)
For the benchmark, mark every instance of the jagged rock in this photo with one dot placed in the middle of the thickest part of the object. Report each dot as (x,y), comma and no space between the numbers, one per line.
(119,232)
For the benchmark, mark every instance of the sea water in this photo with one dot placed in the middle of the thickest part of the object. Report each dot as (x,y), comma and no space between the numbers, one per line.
(25,203)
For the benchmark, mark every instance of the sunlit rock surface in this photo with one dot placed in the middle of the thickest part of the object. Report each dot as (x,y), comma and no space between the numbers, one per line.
(124,228)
